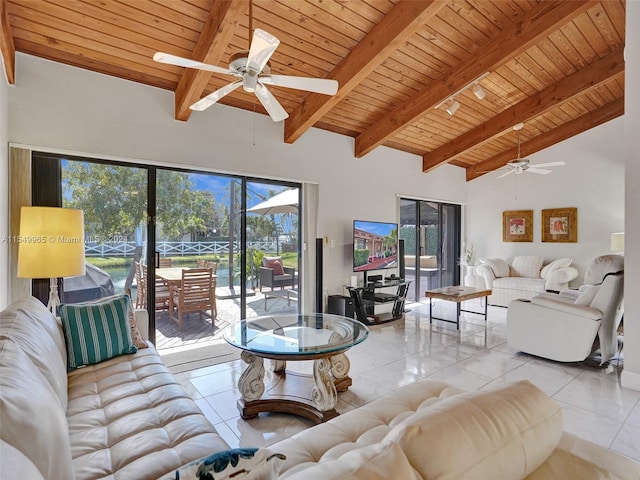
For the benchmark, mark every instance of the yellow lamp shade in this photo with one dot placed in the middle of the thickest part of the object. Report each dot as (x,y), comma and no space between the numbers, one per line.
(51,242)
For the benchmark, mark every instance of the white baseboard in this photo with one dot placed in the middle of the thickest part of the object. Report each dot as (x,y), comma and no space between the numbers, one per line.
(630,380)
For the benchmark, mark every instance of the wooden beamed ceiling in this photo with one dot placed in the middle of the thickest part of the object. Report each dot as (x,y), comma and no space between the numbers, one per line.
(554,65)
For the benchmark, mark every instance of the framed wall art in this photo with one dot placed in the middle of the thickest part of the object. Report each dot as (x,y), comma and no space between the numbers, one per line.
(517,226)
(560,225)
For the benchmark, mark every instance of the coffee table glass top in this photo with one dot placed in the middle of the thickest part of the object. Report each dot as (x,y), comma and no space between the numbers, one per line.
(296,334)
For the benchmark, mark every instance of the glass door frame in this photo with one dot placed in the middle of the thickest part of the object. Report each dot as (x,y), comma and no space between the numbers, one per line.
(47,179)
(446,265)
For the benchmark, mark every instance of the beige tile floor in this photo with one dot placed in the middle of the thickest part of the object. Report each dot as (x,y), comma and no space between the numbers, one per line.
(595,405)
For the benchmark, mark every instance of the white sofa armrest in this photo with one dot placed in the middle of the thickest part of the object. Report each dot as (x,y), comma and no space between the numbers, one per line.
(559,278)
(485,272)
(142,322)
(566,307)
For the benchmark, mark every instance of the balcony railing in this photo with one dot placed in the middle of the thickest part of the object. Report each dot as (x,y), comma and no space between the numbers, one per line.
(127,249)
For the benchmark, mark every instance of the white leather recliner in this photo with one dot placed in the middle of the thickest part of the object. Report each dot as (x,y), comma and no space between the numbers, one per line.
(563,326)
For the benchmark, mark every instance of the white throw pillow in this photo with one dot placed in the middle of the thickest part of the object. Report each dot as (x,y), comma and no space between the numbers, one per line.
(559,263)
(527,266)
(499,266)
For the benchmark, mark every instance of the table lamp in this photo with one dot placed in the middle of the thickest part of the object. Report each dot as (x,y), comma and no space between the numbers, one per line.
(51,246)
(617,242)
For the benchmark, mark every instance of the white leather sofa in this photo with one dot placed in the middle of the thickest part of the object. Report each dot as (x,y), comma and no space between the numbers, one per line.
(127,418)
(525,278)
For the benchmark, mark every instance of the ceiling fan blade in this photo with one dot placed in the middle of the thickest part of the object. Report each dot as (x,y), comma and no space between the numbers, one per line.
(271,105)
(550,164)
(262,47)
(537,170)
(169,59)
(505,174)
(317,85)
(213,97)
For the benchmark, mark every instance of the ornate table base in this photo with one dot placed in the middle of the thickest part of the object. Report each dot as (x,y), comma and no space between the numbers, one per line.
(311,396)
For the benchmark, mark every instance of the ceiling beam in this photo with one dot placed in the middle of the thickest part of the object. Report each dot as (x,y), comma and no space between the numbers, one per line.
(216,35)
(578,125)
(537,24)
(386,37)
(7,48)
(569,87)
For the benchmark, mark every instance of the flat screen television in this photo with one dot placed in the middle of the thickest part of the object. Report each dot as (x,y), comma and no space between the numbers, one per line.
(375,245)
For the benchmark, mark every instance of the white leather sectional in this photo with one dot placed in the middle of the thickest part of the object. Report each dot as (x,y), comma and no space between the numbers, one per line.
(128,418)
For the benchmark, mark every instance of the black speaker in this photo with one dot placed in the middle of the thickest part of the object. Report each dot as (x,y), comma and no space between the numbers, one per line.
(401,269)
(319,307)
(340,305)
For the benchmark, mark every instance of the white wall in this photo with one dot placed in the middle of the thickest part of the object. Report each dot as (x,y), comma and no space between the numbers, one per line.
(592,180)
(60,107)
(4,188)
(631,372)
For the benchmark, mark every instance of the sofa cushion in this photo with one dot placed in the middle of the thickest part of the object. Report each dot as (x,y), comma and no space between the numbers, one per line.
(14,464)
(556,264)
(499,266)
(527,284)
(505,433)
(32,419)
(587,294)
(237,463)
(274,263)
(380,461)
(130,418)
(38,334)
(526,266)
(97,332)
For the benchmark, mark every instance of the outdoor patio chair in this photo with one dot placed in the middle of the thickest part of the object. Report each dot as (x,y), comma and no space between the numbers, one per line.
(164,262)
(196,293)
(141,287)
(161,290)
(273,274)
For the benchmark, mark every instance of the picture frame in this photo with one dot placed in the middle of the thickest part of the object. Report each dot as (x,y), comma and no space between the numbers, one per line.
(517,226)
(560,225)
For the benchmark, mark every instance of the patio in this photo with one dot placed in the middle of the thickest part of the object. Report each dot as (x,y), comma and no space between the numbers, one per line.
(198,333)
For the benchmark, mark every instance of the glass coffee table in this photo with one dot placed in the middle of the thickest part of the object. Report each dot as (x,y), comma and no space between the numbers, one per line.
(320,337)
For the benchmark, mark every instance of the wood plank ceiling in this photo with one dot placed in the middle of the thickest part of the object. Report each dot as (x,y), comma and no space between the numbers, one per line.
(557,66)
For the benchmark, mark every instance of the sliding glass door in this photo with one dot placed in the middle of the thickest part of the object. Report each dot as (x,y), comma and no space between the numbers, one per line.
(431,235)
(148,228)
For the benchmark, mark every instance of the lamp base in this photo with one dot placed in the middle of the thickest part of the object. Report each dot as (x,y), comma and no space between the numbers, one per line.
(54,299)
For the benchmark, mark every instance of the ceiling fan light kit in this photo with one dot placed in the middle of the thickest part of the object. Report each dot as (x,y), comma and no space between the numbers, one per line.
(253,71)
(519,165)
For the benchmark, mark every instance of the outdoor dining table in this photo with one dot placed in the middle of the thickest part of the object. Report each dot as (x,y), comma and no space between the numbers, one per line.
(172,275)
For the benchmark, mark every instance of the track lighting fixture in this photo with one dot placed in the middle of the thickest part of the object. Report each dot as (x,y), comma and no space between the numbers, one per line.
(453,106)
(479,92)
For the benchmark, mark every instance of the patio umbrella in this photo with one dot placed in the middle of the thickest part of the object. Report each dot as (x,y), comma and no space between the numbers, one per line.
(283,202)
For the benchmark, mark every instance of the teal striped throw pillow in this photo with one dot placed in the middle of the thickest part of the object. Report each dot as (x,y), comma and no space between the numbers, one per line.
(96,332)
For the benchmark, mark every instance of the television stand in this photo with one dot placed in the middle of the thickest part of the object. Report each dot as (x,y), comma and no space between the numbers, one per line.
(365,299)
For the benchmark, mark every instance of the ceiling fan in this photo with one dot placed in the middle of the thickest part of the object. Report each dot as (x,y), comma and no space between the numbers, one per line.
(253,72)
(520,165)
